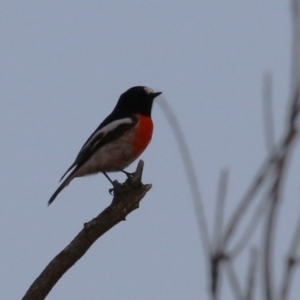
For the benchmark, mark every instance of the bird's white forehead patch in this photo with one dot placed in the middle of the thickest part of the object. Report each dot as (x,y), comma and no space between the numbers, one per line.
(148,90)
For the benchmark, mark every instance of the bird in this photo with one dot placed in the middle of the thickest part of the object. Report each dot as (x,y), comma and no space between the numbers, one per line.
(118,141)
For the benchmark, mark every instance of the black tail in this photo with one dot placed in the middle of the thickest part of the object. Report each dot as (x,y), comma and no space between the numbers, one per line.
(71,167)
(62,186)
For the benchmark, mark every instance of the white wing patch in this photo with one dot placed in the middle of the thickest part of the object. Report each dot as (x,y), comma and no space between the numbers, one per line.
(148,90)
(111,126)
(104,130)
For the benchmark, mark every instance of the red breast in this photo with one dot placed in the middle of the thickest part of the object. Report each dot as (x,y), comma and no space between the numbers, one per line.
(143,134)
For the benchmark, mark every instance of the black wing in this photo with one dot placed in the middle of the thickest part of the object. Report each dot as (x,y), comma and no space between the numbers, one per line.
(105,133)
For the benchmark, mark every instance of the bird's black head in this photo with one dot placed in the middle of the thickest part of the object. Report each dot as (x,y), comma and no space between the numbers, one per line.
(138,99)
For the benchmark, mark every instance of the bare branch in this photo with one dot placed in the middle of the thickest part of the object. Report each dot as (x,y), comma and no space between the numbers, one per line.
(233,280)
(268,112)
(275,197)
(250,288)
(257,183)
(191,176)
(290,263)
(250,229)
(127,198)
(292,132)
(221,197)
(217,256)
(216,261)
(295,242)
(278,154)
(295,61)
(274,168)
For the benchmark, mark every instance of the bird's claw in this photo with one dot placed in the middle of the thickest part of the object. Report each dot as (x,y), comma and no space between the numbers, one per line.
(115,187)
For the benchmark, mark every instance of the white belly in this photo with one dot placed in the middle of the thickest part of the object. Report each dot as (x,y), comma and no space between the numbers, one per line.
(111,157)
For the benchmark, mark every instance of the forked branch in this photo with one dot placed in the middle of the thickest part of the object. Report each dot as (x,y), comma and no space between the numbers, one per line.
(127,197)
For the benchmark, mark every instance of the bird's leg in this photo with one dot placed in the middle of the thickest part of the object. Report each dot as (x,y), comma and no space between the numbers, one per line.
(108,178)
(111,191)
(128,174)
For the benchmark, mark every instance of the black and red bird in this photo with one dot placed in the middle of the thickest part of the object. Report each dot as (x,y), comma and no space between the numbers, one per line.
(119,140)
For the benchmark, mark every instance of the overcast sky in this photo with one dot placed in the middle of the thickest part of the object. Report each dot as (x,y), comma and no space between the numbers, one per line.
(63,65)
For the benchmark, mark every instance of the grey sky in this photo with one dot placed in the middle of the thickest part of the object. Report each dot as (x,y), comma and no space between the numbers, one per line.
(63,66)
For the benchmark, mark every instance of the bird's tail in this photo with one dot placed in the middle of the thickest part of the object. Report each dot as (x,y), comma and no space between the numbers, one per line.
(63,185)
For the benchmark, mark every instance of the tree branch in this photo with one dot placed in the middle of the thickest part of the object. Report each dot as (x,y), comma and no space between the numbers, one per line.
(250,287)
(291,135)
(268,112)
(127,197)
(191,176)
(291,262)
(233,280)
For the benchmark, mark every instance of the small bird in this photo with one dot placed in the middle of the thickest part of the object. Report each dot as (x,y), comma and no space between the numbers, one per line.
(118,141)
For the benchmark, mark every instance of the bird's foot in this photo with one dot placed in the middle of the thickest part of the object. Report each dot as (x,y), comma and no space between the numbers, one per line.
(115,187)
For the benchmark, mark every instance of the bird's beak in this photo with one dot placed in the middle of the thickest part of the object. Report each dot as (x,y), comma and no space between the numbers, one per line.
(154,95)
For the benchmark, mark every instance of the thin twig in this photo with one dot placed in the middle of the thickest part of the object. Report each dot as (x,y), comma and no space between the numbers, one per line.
(275,197)
(220,203)
(295,61)
(217,255)
(276,192)
(294,113)
(233,280)
(290,263)
(215,263)
(250,287)
(191,176)
(250,229)
(262,175)
(268,112)
(237,215)
(276,189)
